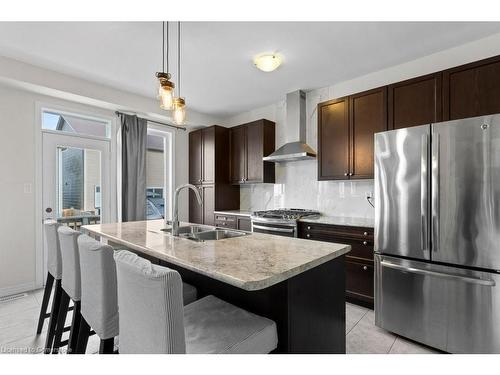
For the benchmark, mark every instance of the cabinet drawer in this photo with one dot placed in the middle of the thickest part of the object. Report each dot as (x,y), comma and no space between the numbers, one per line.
(359,280)
(335,231)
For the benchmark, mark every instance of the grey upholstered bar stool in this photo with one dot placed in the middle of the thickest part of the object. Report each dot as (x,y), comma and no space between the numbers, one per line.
(153,319)
(71,287)
(99,305)
(54,273)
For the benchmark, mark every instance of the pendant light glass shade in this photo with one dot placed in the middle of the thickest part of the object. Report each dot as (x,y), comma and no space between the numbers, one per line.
(165,91)
(179,111)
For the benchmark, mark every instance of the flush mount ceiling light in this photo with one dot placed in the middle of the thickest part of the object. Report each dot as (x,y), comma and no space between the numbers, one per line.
(166,89)
(267,62)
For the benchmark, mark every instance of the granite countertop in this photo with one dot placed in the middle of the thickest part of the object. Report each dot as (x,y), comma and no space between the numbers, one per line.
(252,262)
(343,220)
(235,213)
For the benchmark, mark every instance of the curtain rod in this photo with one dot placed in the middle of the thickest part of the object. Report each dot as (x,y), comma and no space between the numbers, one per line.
(156,122)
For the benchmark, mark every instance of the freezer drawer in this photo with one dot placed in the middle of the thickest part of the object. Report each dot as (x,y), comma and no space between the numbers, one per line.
(451,309)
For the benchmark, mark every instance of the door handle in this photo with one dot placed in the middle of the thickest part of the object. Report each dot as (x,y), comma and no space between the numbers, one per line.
(435,192)
(274,229)
(424,181)
(442,275)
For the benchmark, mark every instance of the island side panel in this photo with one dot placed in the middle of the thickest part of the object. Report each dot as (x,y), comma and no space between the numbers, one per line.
(316,309)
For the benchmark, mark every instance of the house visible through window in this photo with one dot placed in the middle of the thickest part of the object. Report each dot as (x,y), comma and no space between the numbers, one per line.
(155,176)
(75,124)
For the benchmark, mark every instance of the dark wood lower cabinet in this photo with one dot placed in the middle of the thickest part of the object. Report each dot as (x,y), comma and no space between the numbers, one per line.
(215,197)
(359,261)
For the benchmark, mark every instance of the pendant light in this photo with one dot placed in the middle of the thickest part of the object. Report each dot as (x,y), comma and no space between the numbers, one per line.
(179,104)
(166,89)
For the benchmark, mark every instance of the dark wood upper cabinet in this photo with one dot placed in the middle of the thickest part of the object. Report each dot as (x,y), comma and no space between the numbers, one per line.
(238,154)
(367,116)
(209,171)
(415,102)
(249,144)
(208,155)
(333,139)
(472,90)
(195,157)
(345,134)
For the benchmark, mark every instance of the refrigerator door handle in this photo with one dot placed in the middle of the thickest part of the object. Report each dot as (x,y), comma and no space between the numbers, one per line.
(465,279)
(435,192)
(424,181)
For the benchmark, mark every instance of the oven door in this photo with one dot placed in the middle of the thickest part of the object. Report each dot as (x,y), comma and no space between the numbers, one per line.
(279,229)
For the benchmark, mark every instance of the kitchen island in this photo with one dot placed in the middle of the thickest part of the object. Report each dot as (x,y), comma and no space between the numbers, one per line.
(297,283)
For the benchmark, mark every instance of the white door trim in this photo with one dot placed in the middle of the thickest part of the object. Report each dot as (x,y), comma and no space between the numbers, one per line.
(87,112)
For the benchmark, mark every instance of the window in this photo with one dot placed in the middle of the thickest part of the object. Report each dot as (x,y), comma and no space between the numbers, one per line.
(156,174)
(76,124)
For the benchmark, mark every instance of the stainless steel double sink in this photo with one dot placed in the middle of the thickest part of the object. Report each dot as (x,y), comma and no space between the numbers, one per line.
(202,233)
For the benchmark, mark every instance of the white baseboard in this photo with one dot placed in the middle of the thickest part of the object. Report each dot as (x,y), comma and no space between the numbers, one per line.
(18,289)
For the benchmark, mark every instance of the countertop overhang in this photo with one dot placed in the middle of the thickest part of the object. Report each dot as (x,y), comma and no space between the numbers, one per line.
(252,262)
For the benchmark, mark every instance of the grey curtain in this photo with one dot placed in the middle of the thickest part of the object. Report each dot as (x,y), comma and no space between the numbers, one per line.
(134,137)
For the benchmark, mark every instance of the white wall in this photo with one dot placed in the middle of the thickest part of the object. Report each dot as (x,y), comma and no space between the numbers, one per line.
(18,130)
(297,184)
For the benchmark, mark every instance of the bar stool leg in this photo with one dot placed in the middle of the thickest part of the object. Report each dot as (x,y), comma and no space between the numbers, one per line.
(75,328)
(107,346)
(61,318)
(83,336)
(53,317)
(45,301)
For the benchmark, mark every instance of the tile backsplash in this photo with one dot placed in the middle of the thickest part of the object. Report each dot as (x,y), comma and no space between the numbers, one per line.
(297,187)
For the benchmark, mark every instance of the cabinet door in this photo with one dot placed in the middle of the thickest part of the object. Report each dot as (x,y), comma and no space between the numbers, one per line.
(195,157)
(238,154)
(208,152)
(244,223)
(195,210)
(254,153)
(415,102)
(472,90)
(359,280)
(208,205)
(333,140)
(368,115)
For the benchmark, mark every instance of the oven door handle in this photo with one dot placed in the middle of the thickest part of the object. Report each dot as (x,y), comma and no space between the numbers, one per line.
(274,229)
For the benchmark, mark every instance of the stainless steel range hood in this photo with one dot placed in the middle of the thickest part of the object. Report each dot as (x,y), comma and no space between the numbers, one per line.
(296,148)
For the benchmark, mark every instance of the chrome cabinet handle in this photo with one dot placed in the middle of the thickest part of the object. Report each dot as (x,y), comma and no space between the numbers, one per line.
(365,268)
(308,228)
(350,174)
(365,243)
(365,234)
(308,235)
(465,279)
(346,174)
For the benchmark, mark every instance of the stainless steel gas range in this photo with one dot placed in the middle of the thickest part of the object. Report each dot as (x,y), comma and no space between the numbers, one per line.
(281,222)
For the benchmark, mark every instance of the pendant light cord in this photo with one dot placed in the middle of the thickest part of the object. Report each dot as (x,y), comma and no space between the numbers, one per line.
(179,55)
(163,47)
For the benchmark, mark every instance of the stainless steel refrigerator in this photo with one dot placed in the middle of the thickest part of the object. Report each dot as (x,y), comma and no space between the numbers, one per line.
(437,234)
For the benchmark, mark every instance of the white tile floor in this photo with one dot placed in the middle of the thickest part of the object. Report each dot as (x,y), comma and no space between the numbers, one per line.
(363,337)
(18,321)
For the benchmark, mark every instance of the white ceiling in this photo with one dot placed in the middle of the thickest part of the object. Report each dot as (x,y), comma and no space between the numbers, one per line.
(218,76)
